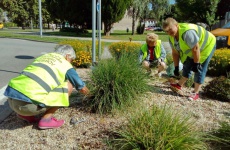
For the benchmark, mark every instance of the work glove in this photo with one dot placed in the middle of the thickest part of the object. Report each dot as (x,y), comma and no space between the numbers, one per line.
(176,71)
(196,67)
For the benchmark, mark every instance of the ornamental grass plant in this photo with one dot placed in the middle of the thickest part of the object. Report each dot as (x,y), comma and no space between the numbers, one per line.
(223,133)
(159,129)
(116,83)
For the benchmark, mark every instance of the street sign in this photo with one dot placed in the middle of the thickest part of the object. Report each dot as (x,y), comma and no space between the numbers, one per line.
(98,6)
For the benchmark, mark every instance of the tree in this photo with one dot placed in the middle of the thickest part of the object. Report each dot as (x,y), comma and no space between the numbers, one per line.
(197,11)
(23,12)
(113,11)
(138,10)
(1,16)
(159,9)
(211,14)
(77,12)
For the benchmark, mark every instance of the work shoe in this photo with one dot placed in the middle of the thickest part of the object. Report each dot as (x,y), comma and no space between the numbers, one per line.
(50,123)
(193,96)
(29,119)
(175,87)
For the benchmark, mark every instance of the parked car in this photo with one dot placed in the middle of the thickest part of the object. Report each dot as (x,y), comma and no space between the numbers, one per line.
(149,28)
(157,29)
(1,25)
(222,36)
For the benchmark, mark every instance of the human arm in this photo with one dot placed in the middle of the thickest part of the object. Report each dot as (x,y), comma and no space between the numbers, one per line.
(140,56)
(163,53)
(192,40)
(76,81)
(176,60)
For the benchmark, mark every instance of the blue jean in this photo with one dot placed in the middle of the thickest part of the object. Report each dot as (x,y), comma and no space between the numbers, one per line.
(200,75)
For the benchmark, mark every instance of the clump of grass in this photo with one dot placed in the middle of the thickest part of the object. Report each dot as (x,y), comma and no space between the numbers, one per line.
(223,133)
(158,129)
(116,83)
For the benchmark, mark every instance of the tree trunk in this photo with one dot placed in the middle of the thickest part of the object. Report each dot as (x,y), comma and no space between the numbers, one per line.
(107,29)
(133,21)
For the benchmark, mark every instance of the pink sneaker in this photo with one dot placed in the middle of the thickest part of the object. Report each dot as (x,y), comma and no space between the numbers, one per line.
(29,119)
(176,88)
(193,96)
(50,123)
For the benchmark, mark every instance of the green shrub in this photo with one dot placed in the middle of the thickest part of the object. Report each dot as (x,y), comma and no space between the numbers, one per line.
(9,24)
(159,129)
(116,83)
(83,51)
(116,49)
(220,63)
(76,30)
(218,88)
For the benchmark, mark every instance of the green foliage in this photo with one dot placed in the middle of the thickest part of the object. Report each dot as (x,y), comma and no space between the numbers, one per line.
(196,11)
(159,129)
(218,88)
(223,133)
(116,83)
(113,11)
(76,30)
(83,52)
(159,8)
(116,49)
(220,63)
(74,12)
(9,24)
(21,11)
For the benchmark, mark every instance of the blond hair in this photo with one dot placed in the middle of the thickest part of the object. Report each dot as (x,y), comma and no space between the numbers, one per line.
(168,21)
(151,38)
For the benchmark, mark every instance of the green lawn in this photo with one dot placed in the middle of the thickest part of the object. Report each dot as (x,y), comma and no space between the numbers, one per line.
(60,36)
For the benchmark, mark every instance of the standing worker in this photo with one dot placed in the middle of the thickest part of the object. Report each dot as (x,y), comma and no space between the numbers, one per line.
(194,46)
(44,86)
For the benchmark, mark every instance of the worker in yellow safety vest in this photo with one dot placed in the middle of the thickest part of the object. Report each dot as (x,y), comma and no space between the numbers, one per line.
(44,86)
(194,47)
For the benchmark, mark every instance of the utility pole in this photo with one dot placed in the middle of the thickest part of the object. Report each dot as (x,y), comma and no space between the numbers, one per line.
(93,30)
(99,27)
(40,16)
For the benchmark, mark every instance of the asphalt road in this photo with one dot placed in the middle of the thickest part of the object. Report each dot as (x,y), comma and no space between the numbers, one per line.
(15,55)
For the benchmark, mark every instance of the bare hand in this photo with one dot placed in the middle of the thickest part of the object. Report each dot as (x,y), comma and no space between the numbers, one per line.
(84,90)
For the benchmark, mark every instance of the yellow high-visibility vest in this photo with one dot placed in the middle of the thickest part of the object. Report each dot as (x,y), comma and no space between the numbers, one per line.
(44,80)
(206,42)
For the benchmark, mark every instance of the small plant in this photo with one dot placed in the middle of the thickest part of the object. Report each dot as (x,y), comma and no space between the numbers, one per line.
(83,59)
(83,51)
(220,62)
(116,49)
(218,88)
(116,82)
(159,129)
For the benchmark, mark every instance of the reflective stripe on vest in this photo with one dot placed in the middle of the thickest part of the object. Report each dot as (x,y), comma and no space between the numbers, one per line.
(206,42)
(157,50)
(44,80)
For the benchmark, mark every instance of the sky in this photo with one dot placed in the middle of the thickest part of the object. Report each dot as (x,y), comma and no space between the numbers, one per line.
(171,1)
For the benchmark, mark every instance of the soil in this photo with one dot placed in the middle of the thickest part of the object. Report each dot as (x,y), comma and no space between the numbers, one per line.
(92,132)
